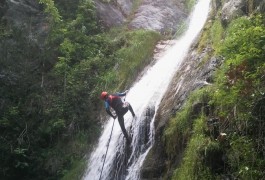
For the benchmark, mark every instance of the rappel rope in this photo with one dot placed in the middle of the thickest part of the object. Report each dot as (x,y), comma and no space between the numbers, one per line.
(106,150)
(108,145)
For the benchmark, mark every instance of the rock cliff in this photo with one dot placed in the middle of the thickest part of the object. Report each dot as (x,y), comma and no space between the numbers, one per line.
(193,74)
(26,15)
(159,15)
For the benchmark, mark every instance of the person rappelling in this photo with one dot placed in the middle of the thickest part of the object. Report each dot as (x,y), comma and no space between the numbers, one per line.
(119,106)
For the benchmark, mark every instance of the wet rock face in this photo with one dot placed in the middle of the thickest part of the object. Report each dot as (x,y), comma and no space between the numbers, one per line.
(26,15)
(158,15)
(3,8)
(144,130)
(125,6)
(237,8)
(124,157)
(233,9)
(109,14)
(20,11)
(260,6)
(191,75)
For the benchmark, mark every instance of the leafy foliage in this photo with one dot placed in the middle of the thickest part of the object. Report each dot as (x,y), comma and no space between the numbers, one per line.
(181,126)
(233,146)
(127,53)
(189,4)
(193,167)
(49,105)
(51,10)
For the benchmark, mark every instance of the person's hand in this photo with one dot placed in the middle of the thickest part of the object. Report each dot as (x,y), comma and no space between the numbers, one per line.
(114,117)
(126,91)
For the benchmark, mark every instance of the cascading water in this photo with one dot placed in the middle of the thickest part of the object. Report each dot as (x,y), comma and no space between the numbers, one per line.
(124,161)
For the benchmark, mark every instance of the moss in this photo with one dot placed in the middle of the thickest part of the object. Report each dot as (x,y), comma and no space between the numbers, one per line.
(135,54)
(189,4)
(77,170)
(212,35)
(192,166)
(216,34)
(180,128)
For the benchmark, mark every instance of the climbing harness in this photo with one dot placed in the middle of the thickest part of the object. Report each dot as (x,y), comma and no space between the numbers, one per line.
(106,150)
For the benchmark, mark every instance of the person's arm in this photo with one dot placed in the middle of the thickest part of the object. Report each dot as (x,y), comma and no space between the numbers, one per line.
(107,107)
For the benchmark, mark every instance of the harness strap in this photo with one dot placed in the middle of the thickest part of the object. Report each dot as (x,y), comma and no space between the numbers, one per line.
(111,98)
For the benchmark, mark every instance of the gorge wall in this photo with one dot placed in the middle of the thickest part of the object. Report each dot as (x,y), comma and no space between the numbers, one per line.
(159,15)
(195,72)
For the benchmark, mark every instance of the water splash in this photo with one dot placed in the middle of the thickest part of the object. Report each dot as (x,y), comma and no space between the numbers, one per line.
(123,161)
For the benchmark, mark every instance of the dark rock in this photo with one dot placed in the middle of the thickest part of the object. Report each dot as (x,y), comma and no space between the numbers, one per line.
(190,76)
(153,168)
(125,6)
(233,9)
(109,14)
(259,5)
(27,15)
(121,161)
(154,164)
(3,8)
(213,127)
(198,107)
(144,130)
(259,109)
(159,15)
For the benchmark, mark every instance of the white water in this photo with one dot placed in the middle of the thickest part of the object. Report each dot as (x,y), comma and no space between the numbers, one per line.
(147,91)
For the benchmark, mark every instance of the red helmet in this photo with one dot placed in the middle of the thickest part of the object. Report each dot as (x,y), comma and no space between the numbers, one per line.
(103,95)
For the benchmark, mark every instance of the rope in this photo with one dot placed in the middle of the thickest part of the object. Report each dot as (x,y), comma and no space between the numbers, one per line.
(106,150)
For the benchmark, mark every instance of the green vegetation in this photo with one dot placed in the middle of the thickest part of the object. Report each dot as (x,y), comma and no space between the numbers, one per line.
(213,36)
(193,166)
(225,137)
(49,103)
(180,127)
(189,4)
(137,60)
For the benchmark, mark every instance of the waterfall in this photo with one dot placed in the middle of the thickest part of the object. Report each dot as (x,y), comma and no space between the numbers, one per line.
(123,161)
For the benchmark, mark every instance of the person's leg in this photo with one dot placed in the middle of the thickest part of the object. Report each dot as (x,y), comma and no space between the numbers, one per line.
(131,110)
(121,122)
